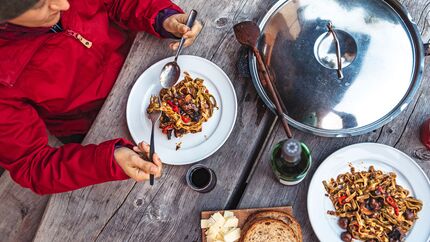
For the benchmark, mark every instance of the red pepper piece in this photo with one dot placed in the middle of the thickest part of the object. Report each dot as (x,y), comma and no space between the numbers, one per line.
(393,204)
(185,119)
(167,128)
(173,106)
(341,199)
(396,211)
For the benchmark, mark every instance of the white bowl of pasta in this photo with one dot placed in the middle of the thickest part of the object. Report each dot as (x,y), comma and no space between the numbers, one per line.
(378,192)
(200,130)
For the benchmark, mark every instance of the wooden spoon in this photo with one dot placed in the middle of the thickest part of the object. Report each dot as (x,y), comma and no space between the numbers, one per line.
(247,33)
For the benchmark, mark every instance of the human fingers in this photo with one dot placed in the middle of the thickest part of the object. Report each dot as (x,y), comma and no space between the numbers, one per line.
(195,30)
(175,45)
(175,24)
(159,164)
(142,147)
(139,175)
(145,166)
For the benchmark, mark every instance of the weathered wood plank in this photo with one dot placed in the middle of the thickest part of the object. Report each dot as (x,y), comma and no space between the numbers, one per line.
(409,140)
(21,210)
(263,190)
(169,210)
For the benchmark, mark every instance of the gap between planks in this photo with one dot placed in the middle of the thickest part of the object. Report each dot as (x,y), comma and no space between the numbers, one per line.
(248,171)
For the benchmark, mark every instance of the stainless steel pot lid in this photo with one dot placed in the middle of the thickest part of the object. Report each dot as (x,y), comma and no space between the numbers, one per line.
(380,51)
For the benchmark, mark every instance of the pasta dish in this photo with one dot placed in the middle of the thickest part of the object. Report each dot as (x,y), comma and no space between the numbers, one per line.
(185,107)
(371,206)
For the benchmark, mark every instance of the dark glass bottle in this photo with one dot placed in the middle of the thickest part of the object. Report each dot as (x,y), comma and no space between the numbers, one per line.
(425,133)
(290,161)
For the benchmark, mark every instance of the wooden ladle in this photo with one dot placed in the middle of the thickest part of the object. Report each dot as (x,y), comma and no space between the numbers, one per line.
(247,33)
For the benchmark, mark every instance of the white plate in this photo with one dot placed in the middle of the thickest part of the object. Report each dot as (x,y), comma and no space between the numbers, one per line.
(361,156)
(195,147)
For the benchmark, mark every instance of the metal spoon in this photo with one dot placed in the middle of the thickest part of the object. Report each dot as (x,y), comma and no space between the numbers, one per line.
(171,71)
(154,116)
(247,33)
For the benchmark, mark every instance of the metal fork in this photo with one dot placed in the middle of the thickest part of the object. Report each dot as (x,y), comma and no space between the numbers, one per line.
(154,116)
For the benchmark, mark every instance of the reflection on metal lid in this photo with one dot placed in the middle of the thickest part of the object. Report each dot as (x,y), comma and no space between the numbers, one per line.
(378,58)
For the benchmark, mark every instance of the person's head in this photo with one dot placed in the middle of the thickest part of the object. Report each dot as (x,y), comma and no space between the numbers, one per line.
(32,13)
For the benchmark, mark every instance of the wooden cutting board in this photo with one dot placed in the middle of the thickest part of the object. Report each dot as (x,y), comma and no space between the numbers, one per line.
(243,214)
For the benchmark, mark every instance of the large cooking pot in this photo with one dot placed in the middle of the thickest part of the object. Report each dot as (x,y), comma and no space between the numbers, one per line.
(341,67)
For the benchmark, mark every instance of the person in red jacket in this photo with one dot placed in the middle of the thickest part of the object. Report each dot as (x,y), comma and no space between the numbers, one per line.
(59,60)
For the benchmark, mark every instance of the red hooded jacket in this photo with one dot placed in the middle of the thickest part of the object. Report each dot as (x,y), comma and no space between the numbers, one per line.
(53,81)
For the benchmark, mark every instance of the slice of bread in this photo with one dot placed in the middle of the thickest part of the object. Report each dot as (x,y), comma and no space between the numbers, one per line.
(284,217)
(268,229)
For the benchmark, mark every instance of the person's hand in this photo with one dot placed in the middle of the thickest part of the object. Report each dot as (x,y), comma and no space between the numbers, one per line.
(134,166)
(176,24)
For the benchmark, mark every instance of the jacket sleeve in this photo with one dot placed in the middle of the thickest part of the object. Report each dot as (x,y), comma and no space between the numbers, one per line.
(32,163)
(138,15)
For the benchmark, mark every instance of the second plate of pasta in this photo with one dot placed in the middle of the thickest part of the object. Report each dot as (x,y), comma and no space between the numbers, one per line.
(369,161)
(203,123)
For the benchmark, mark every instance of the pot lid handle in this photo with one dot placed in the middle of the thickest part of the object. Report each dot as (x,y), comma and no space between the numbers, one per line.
(338,55)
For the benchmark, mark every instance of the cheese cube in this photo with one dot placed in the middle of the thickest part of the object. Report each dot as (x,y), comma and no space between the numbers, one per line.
(213,231)
(228,214)
(219,219)
(232,235)
(219,237)
(223,231)
(204,223)
(231,222)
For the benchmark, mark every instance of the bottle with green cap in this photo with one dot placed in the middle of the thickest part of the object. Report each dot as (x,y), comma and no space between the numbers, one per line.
(290,161)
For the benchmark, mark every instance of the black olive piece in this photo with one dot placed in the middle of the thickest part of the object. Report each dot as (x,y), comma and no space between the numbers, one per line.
(374,204)
(395,235)
(346,237)
(165,118)
(169,134)
(343,223)
(409,215)
(196,116)
(367,204)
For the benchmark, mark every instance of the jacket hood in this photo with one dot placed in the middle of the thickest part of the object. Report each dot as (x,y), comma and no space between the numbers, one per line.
(17,46)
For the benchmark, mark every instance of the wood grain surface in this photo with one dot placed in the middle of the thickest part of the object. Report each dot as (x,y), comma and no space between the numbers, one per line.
(402,133)
(21,210)
(243,214)
(170,211)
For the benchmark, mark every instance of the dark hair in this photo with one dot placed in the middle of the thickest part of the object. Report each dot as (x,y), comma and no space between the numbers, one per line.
(10,9)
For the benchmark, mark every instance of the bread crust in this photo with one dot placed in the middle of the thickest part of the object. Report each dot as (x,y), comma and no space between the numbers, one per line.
(261,224)
(286,218)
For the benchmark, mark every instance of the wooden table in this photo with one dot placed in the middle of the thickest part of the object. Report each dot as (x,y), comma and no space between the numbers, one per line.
(169,211)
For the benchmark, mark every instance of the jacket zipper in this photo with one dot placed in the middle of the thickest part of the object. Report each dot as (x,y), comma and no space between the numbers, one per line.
(79,37)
